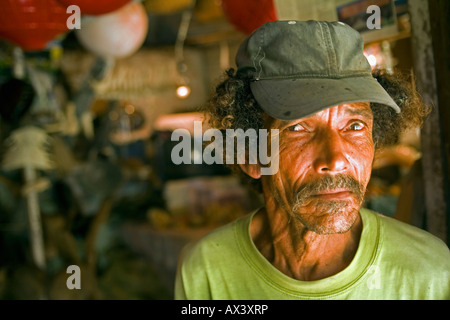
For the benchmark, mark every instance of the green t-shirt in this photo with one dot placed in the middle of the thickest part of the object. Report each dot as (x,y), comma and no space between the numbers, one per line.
(394,260)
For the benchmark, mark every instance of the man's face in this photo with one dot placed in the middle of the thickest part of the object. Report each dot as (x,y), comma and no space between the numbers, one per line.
(325,162)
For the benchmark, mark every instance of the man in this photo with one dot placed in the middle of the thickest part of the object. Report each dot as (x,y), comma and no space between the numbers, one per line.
(312,239)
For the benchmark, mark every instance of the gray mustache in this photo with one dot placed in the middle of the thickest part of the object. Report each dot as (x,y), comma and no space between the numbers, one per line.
(329,182)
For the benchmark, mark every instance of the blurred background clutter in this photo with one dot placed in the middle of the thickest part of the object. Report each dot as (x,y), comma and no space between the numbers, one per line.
(90,92)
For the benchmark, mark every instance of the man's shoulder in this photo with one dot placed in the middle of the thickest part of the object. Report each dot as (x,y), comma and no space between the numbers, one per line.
(404,240)
(410,233)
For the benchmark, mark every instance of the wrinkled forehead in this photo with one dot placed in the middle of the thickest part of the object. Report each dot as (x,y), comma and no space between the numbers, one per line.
(348,109)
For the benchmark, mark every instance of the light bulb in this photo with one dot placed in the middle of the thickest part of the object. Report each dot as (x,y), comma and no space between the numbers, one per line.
(372,60)
(183,91)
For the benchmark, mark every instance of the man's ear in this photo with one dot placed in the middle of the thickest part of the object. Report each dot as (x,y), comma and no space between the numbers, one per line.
(252,170)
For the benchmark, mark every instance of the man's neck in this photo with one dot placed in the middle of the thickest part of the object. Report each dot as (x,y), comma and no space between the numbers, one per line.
(299,253)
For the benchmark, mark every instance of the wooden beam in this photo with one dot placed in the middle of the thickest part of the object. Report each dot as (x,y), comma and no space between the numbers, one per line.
(425,40)
(440,30)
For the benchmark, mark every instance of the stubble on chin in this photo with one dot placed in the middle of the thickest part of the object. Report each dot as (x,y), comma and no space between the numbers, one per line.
(328,216)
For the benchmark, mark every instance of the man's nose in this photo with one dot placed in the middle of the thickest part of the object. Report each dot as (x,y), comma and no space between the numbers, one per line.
(331,154)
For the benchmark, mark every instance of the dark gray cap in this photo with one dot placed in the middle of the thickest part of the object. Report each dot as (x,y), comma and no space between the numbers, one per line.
(298,68)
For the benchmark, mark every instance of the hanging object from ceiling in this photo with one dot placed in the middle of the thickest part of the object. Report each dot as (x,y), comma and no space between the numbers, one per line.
(32,24)
(117,34)
(27,148)
(96,7)
(248,15)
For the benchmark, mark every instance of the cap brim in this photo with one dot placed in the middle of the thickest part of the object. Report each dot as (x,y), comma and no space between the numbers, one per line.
(290,99)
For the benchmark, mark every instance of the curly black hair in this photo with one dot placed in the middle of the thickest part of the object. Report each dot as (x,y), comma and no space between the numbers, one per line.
(232,106)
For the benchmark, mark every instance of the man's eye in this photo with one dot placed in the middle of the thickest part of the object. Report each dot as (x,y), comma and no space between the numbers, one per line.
(356,126)
(296,127)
